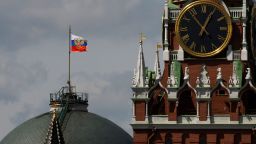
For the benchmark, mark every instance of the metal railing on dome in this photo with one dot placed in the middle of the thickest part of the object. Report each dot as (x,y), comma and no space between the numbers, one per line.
(68,94)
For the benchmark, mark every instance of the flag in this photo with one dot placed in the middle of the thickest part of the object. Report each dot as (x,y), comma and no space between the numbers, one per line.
(78,44)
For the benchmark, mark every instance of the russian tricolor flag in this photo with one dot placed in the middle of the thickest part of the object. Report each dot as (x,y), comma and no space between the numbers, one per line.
(78,44)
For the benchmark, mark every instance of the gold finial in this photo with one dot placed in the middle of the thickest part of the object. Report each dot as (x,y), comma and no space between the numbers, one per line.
(142,37)
(159,45)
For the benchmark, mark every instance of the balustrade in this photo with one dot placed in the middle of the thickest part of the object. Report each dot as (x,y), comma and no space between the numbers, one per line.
(235,13)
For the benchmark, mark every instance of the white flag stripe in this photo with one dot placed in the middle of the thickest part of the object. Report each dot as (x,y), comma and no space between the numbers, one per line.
(73,37)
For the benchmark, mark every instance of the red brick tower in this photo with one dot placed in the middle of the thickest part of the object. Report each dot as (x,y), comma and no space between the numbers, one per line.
(207,92)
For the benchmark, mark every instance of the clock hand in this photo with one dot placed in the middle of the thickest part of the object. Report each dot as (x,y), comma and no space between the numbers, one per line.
(206,23)
(197,21)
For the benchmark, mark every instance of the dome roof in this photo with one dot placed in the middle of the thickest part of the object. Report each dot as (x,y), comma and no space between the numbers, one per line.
(79,127)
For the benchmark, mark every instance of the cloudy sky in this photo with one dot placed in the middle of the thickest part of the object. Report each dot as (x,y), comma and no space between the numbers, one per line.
(34,54)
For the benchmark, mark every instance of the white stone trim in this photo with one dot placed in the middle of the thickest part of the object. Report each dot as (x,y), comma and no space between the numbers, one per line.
(146,109)
(244,52)
(208,110)
(197,109)
(180,55)
(248,119)
(230,53)
(133,110)
(234,122)
(187,119)
(166,55)
(220,119)
(158,119)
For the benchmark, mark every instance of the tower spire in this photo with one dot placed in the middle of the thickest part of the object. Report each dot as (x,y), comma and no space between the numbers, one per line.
(139,73)
(166,53)
(157,63)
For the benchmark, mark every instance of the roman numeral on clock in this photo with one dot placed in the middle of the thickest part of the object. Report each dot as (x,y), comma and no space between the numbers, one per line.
(203,49)
(221,38)
(184,29)
(213,46)
(203,8)
(193,46)
(193,11)
(185,38)
(223,28)
(185,18)
(220,19)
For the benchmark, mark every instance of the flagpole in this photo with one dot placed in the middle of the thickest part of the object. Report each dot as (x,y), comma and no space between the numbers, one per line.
(69,52)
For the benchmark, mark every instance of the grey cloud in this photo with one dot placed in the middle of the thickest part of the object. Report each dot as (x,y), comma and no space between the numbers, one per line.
(19,117)
(109,96)
(16,77)
(25,22)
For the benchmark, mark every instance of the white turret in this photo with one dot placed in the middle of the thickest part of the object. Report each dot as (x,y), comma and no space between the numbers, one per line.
(139,77)
(157,64)
(166,54)
(244,52)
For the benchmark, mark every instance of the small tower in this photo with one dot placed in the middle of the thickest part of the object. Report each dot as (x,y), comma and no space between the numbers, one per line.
(140,86)
(139,78)
(157,68)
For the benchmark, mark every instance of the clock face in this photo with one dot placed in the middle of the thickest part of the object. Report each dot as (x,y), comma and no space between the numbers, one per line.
(203,28)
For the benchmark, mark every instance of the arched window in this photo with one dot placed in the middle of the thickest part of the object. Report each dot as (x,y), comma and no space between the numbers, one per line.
(157,103)
(248,101)
(220,102)
(187,103)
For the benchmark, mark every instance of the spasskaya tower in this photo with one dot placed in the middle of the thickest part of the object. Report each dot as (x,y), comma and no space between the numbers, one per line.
(206,92)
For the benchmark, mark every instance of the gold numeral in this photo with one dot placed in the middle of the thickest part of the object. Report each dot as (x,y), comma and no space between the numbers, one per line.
(203,7)
(221,38)
(223,28)
(184,29)
(193,46)
(220,19)
(185,18)
(213,46)
(185,38)
(193,11)
(203,49)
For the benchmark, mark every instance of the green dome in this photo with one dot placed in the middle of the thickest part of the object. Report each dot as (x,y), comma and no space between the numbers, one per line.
(79,127)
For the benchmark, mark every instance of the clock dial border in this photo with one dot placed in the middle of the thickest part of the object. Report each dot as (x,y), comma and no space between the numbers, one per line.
(228,20)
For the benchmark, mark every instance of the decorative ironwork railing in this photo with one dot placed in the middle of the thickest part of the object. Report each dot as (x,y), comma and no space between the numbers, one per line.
(174,55)
(64,97)
(235,13)
(237,55)
(68,94)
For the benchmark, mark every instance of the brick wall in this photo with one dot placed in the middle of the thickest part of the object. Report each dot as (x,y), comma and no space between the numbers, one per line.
(194,136)
(140,110)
